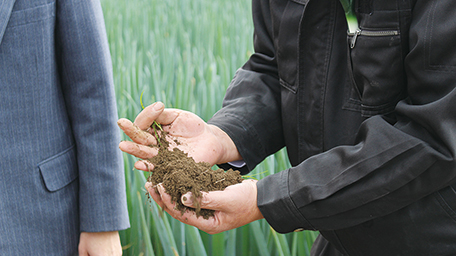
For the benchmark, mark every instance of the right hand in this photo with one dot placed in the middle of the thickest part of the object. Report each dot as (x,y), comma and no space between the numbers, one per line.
(201,141)
(234,207)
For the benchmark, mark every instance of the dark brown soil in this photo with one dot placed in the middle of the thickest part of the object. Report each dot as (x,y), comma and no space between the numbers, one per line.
(180,174)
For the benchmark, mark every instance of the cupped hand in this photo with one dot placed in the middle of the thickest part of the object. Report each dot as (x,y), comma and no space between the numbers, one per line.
(186,131)
(234,207)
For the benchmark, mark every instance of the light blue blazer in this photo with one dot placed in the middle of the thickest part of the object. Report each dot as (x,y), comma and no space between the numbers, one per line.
(61,171)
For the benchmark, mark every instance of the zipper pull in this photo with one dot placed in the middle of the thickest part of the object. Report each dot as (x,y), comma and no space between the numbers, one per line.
(355,36)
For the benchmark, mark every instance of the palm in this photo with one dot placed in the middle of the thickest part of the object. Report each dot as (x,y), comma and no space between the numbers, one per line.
(185,131)
(193,136)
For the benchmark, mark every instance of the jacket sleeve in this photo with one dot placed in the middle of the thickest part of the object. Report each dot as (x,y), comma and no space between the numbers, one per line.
(87,85)
(251,113)
(391,165)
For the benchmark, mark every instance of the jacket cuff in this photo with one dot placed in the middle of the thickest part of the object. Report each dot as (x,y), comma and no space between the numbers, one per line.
(276,205)
(244,137)
(243,170)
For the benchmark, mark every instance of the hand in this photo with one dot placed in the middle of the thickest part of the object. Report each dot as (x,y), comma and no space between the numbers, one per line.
(234,207)
(99,243)
(203,142)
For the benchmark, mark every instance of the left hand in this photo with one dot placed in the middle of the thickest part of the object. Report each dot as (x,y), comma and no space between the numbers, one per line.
(99,243)
(201,141)
(234,207)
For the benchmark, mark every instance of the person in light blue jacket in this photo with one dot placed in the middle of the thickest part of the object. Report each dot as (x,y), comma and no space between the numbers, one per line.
(62,185)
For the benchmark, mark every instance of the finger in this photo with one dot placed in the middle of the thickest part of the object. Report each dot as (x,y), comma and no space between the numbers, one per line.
(135,133)
(168,205)
(138,150)
(210,225)
(166,198)
(144,165)
(149,114)
(153,194)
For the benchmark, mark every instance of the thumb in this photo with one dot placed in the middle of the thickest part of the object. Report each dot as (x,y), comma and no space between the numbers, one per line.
(187,199)
(225,200)
(148,115)
(214,200)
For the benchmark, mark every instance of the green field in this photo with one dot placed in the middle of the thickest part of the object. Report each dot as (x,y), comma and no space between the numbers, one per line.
(184,53)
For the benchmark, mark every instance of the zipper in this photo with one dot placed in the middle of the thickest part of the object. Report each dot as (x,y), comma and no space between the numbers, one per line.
(360,32)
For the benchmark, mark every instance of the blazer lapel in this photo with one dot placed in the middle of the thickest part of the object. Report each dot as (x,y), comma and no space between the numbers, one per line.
(6,6)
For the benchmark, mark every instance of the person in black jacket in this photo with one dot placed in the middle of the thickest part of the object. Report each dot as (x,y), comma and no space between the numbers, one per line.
(368,119)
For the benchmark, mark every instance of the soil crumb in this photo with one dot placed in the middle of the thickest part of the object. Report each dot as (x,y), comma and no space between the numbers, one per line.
(180,174)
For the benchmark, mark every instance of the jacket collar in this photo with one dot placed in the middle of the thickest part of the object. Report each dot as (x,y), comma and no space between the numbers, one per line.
(6,6)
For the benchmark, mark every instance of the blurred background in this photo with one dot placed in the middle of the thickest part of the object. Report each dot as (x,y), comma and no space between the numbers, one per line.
(185,53)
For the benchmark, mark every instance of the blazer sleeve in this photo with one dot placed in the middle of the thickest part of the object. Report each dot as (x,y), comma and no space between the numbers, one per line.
(86,78)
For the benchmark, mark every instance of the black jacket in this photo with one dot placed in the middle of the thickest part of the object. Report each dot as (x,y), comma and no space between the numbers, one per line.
(370,130)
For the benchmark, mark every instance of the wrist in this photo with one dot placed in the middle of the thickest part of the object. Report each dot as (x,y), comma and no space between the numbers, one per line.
(228,150)
(256,213)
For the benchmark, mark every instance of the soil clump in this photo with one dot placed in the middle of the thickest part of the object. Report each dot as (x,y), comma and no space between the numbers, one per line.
(180,174)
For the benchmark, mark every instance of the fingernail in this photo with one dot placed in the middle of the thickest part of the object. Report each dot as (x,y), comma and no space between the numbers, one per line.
(160,188)
(158,106)
(187,199)
(148,165)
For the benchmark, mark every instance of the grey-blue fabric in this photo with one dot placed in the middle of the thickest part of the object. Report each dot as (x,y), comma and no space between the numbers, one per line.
(61,171)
